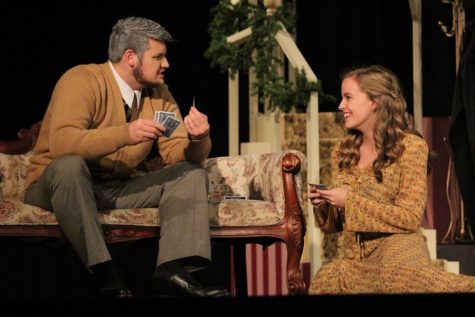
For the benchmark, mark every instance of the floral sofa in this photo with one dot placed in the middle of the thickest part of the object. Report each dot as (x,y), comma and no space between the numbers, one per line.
(272,212)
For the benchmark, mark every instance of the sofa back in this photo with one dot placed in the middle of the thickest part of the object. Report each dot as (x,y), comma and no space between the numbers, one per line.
(12,176)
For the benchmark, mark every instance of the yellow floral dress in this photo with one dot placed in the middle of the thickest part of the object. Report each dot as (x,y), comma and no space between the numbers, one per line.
(384,250)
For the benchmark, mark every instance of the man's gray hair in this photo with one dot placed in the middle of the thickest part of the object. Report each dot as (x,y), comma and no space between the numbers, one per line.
(133,33)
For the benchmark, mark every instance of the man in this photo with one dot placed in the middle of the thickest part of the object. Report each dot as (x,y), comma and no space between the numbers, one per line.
(89,147)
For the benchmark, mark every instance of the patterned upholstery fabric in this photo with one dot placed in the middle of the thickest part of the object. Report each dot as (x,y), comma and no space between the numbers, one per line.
(12,176)
(258,177)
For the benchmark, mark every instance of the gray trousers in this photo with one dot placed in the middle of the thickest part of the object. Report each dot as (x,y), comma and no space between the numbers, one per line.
(66,188)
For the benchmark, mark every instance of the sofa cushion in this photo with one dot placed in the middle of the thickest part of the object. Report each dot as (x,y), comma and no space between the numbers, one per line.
(243,213)
(257,177)
(226,213)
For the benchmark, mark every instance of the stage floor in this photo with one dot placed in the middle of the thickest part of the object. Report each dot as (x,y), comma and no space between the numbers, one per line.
(368,305)
(463,253)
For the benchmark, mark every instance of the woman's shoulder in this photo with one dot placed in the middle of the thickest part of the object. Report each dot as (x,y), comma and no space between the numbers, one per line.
(415,143)
(413,139)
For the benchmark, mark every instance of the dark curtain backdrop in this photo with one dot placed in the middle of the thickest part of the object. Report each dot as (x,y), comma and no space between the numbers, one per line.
(40,43)
(333,35)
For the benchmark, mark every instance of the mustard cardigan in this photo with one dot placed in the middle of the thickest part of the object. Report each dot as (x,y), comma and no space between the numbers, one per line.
(86,117)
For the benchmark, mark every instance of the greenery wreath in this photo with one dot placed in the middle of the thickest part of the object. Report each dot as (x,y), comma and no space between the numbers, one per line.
(230,18)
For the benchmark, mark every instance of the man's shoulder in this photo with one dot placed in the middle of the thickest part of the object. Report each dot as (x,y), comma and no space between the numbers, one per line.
(86,75)
(86,69)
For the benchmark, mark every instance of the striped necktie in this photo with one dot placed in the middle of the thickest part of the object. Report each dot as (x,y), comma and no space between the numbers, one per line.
(131,113)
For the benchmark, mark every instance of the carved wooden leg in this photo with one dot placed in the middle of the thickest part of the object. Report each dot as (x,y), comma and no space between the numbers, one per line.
(295,280)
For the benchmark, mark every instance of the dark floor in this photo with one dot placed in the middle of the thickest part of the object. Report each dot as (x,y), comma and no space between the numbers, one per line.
(463,253)
(50,268)
(46,276)
(364,305)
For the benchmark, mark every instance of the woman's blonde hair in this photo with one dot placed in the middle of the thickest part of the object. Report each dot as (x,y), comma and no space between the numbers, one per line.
(382,86)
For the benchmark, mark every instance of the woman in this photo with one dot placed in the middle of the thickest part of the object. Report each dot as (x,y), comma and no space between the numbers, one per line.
(377,197)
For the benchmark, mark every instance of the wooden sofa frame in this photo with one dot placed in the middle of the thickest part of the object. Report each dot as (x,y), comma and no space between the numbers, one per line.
(291,230)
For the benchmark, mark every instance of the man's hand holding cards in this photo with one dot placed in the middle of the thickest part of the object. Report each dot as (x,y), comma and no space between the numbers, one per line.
(161,116)
(167,119)
(170,125)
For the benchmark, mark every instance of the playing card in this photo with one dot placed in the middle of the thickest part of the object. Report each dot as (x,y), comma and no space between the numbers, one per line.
(234,197)
(161,116)
(170,125)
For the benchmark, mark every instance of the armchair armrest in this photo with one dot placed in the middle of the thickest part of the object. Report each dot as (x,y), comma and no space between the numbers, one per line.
(256,176)
(275,213)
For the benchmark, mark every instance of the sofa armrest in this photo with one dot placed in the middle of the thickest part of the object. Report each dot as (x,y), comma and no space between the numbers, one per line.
(25,142)
(14,158)
(255,176)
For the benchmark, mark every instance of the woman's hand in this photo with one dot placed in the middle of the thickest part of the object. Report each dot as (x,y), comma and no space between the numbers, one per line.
(315,197)
(336,197)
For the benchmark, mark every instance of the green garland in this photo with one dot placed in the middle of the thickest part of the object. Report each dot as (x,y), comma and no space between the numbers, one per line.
(229,19)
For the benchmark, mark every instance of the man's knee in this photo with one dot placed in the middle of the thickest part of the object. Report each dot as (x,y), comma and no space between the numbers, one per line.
(196,172)
(68,167)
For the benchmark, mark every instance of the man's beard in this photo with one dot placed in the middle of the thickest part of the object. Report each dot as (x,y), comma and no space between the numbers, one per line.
(145,83)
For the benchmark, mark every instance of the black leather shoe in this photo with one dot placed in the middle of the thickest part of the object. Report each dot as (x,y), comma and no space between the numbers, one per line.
(115,290)
(110,281)
(181,284)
